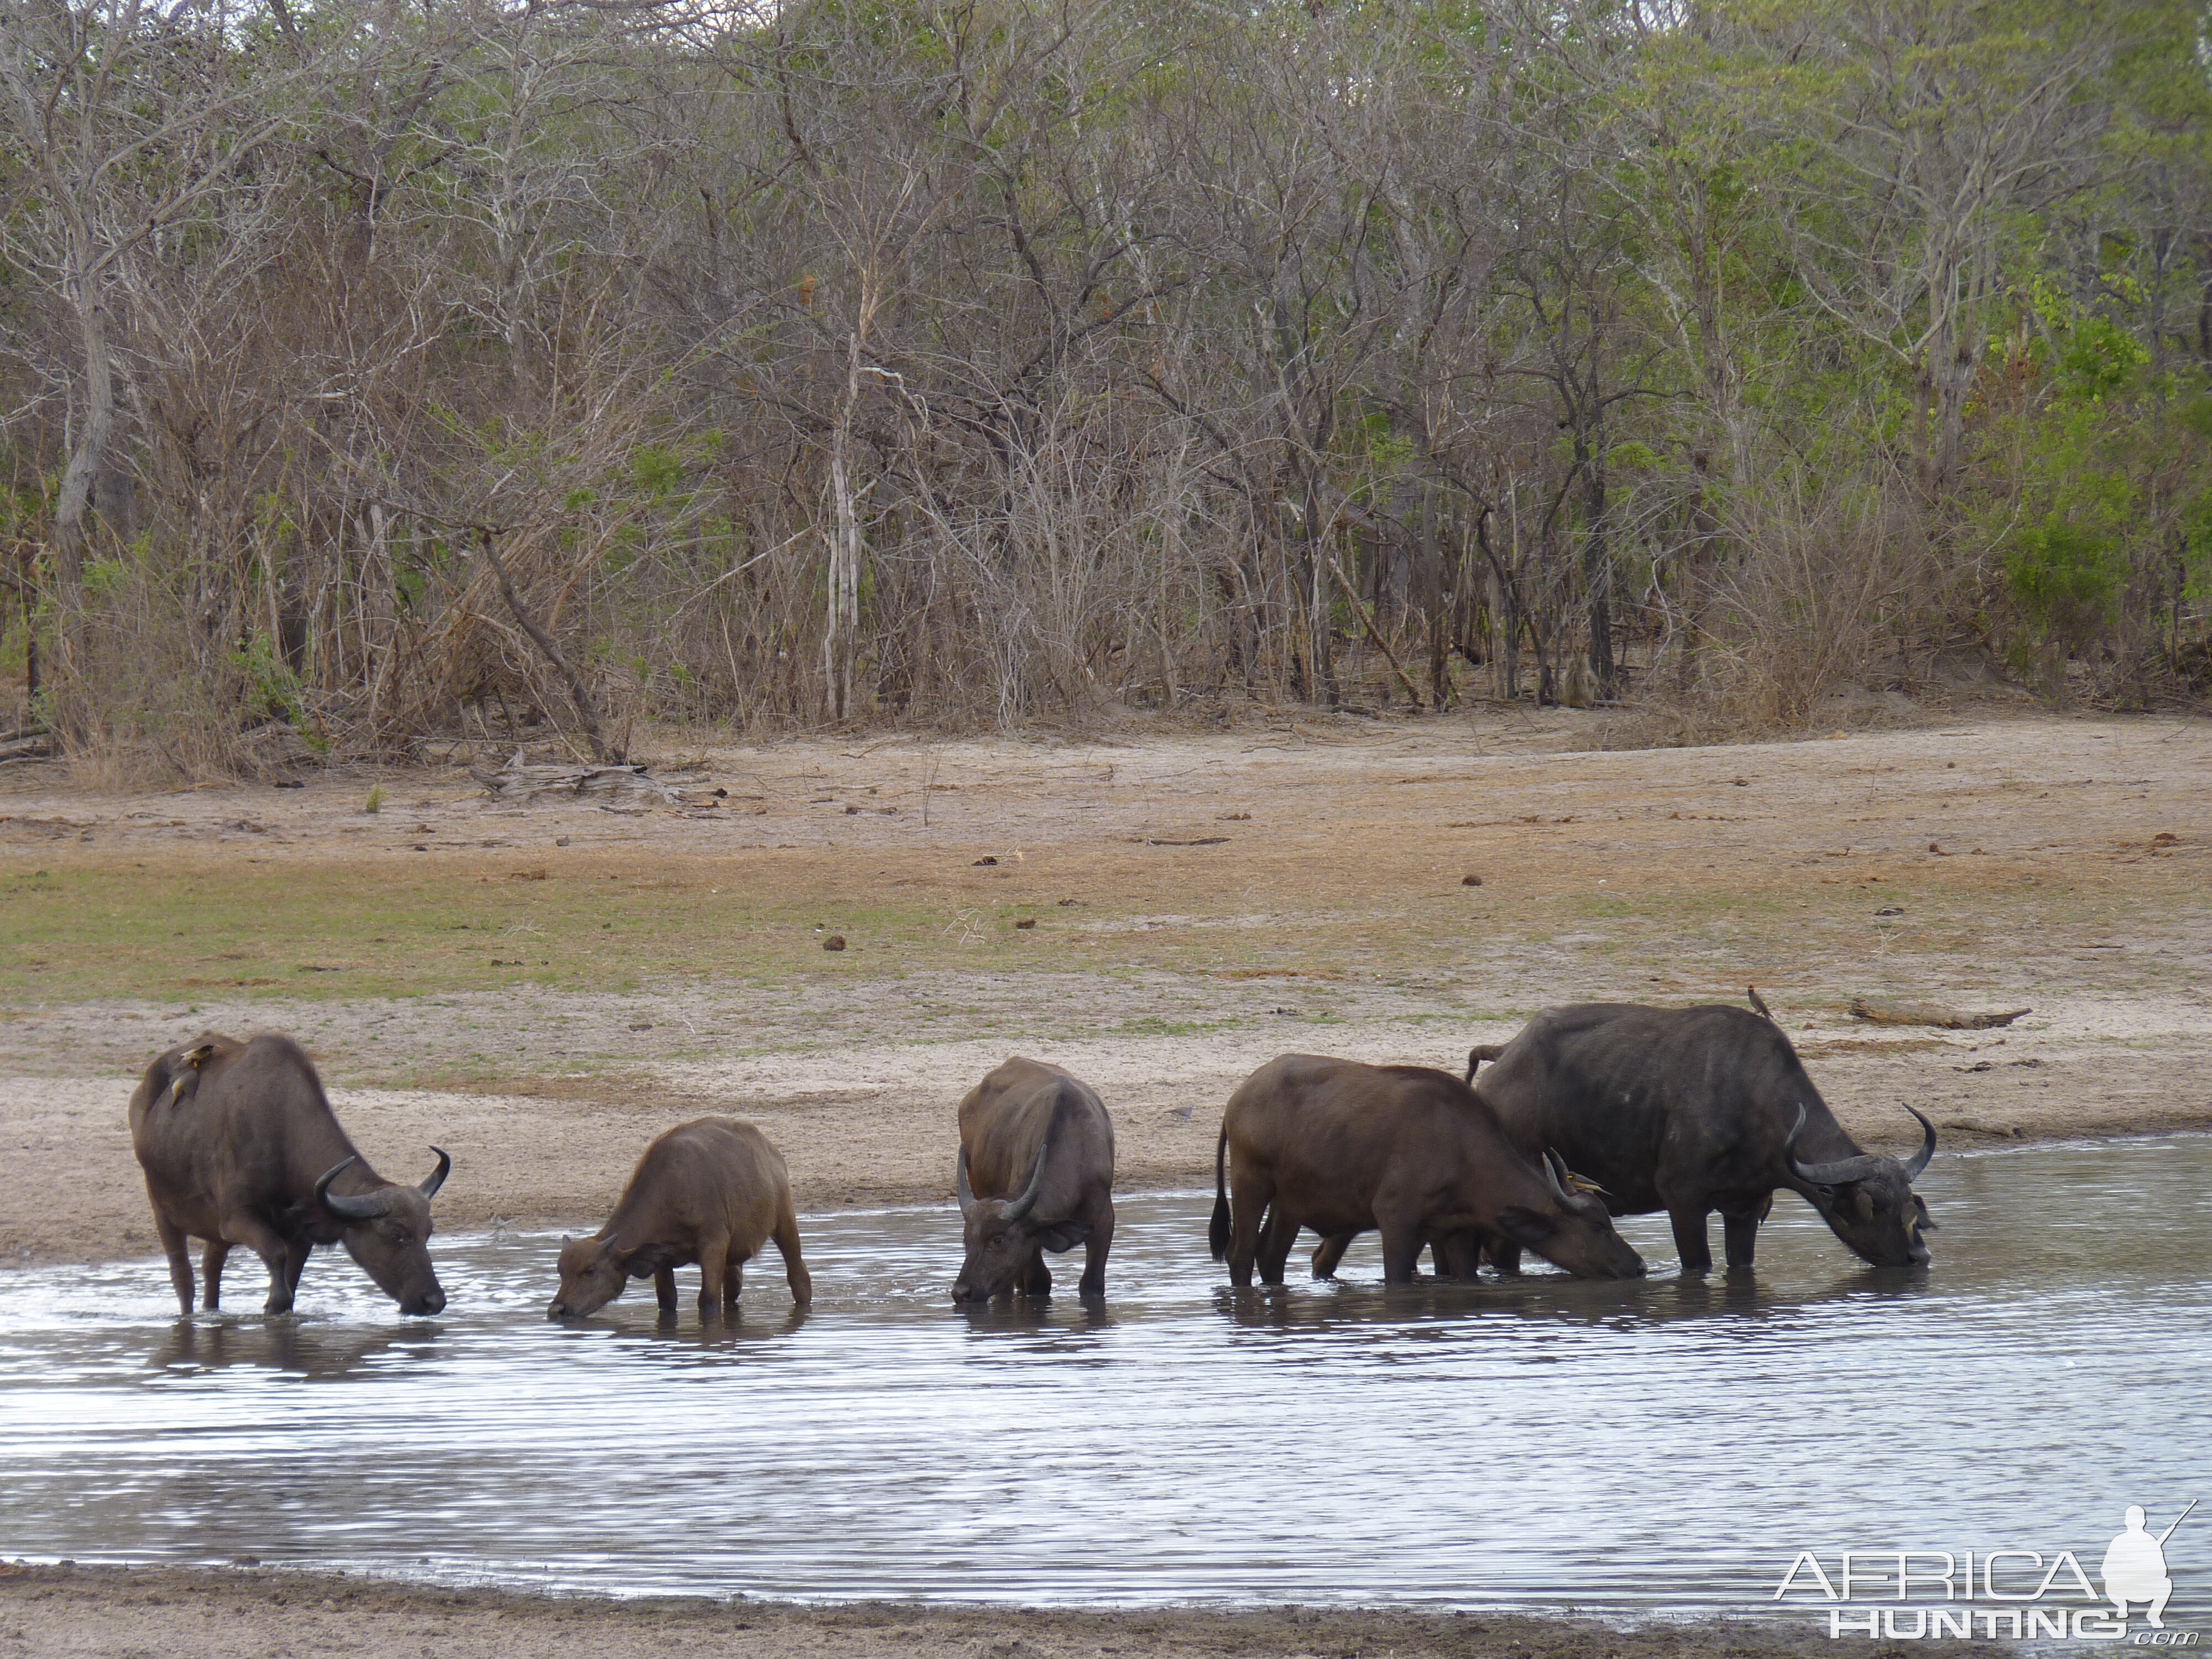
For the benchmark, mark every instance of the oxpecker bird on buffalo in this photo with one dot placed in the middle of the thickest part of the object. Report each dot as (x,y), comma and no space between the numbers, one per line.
(240,1146)
(1035,1174)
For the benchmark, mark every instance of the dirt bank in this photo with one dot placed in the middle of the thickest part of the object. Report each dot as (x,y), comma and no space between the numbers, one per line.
(541,989)
(96,1613)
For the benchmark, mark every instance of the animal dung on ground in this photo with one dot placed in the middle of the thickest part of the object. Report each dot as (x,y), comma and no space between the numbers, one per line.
(1026,921)
(1891,910)
(1929,1013)
(835,942)
(1937,850)
(560,840)
(980,863)
(1470,881)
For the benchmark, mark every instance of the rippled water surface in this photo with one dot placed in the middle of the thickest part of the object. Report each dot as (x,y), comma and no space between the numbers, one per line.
(1655,1446)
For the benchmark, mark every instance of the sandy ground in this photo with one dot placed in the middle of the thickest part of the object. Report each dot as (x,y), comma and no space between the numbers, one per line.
(1327,914)
(49,1613)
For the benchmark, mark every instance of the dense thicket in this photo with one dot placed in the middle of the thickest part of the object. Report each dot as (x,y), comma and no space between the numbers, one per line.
(372,370)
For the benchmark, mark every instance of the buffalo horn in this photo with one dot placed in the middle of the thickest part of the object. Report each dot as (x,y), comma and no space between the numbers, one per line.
(960,1186)
(1554,1172)
(1918,1161)
(1021,1206)
(354,1206)
(430,1188)
(1856,1167)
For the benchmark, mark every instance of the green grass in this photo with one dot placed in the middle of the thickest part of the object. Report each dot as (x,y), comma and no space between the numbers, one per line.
(307,930)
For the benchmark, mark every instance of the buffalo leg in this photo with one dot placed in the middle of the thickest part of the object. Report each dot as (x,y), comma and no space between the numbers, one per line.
(733,1285)
(180,1268)
(241,1228)
(1037,1277)
(1247,1208)
(1505,1256)
(1101,1240)
(714,1271)
(1459,1255)
(295,1263)
(1739,1234)
(1329,1252)
(1690,1241)
(794,1265)
(1401,1251)
(663,1288)
(1275,1241)
(211,1260)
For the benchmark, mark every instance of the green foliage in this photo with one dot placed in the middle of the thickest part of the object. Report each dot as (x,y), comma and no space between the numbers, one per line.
(2066,578)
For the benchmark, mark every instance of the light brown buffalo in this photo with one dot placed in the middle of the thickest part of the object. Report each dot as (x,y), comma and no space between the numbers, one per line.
(712,1191)
(1036,1173)
(240,1146)
(1343,1148)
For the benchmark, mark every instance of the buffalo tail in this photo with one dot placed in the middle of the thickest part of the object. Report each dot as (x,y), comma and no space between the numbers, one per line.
(1216,1234)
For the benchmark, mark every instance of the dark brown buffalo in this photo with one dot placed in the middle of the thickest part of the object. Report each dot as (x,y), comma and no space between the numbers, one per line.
(1343,1148)
(712,1191)
(240,1146)
(1036,1173)
(1691,1110)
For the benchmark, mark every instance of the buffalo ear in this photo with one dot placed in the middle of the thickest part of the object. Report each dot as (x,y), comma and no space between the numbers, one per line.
(1063,1235)
(1525,1227)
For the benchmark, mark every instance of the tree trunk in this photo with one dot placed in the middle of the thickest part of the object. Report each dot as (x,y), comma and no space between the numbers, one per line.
(88,454)
(1597,569)
(843,624)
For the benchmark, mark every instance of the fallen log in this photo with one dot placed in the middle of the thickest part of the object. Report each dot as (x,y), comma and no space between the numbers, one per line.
(520,782)
(1930,1013)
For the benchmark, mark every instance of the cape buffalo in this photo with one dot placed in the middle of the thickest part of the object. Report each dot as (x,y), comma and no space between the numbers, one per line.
(1343,1147)
(240,1146)
(1036,1173)
(712,1191)
(1691,1110)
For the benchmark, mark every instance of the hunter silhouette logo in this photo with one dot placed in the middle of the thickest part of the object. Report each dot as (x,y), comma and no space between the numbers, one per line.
(2135,1567)
(2021,1595)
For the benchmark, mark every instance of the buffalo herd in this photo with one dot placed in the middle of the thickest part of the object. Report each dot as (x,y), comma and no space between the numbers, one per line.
(1591,1112)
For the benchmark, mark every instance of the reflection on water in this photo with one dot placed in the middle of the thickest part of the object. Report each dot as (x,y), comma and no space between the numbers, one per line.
(1654,1444)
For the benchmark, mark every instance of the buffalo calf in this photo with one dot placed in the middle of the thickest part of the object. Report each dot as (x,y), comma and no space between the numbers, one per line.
(1344,1148)
(713,1191)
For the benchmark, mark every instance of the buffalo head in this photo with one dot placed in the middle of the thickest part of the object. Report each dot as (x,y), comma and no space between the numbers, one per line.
(1868,1199)
(592,1274)
(387,1230)
(1002,1236)
(1573,1231)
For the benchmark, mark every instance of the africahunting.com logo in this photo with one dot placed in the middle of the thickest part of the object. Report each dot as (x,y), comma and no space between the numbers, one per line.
(2020,1594)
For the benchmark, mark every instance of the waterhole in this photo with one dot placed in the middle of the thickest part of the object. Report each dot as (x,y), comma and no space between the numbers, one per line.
(1648,1447)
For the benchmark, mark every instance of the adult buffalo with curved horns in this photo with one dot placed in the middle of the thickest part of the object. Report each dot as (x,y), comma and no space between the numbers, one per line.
(1036,1173)
(1691,1110)
(240,1146)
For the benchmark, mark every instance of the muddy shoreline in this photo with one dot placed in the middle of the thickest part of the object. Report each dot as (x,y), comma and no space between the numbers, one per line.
(118,1612)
